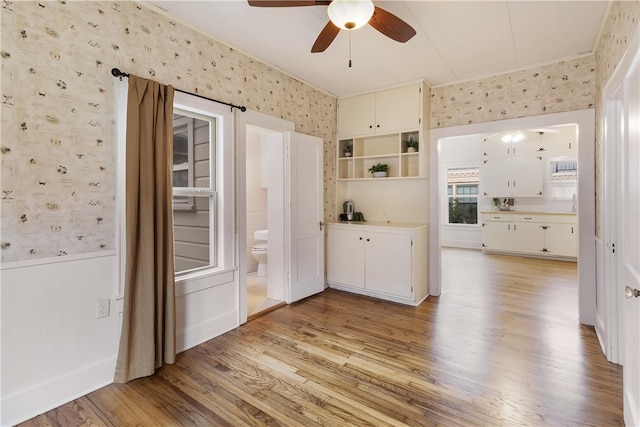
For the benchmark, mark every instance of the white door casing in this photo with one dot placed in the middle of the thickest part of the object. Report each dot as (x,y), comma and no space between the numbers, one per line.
(305,216)
(629,254)
(243,121)
(621,98)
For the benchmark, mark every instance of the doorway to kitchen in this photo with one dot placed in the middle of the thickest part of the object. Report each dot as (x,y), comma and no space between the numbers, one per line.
(584,200)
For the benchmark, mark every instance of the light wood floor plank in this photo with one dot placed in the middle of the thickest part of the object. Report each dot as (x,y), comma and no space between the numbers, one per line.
(501,346)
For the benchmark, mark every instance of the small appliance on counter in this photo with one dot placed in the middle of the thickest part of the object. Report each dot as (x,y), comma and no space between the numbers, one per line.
(349,213)
(347,208)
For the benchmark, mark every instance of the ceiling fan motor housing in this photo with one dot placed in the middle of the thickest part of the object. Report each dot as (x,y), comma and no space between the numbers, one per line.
(350,14)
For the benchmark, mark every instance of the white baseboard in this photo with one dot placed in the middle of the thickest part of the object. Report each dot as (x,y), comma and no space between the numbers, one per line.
(213,327)
(26,404)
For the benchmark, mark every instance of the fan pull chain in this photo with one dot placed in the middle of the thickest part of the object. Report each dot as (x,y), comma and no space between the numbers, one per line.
(349,48)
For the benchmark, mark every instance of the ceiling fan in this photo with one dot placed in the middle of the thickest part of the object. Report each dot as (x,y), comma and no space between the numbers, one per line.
(348,15)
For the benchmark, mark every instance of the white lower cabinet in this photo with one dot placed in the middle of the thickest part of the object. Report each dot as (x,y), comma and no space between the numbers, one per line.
(546,235)
(384,261)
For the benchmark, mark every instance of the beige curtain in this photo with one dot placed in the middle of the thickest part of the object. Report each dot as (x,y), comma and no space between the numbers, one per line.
(147,340)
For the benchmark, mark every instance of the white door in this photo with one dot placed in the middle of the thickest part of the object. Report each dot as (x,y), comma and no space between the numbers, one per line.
(306,215)
(528,237)
(526,176)
(345,245)
(494,177)
(398,109)
(388,263)
(629,255)
(356,115)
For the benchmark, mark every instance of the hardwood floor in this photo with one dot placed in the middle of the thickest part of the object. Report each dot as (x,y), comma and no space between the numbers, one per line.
(500,346)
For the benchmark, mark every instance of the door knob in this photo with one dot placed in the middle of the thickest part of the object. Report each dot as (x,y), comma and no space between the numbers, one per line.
(629,292)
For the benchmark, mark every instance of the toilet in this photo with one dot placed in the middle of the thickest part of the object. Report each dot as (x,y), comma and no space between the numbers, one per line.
(260,252)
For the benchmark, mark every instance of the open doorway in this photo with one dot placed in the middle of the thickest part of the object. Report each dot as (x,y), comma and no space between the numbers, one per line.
(584,120)
(264,190)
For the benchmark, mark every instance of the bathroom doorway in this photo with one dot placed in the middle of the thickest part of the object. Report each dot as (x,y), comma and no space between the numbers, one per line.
(264,161)
(291,188)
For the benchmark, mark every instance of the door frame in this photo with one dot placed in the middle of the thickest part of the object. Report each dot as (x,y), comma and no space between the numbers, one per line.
(585,119)
(262,120)
(608,326)
(612,328)
(615,103)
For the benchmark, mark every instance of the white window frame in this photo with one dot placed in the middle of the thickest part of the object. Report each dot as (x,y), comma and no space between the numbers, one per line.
(185,203)
(221,185)
(448,197)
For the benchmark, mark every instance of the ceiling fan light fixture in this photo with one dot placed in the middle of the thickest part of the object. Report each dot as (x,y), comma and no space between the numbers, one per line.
(350,14)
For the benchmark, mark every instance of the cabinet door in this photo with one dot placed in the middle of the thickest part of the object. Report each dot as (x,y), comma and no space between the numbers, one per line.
(526,176)
(356,115)
(345,257)
(398,109)
(528,237)
(495,177)
(388,263)
(497,236)
(561,239)
(494,147)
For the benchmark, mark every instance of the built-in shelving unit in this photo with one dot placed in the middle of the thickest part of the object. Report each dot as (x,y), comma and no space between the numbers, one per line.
(388,149)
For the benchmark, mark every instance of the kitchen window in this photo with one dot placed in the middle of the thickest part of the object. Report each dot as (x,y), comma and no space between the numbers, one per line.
(462,195)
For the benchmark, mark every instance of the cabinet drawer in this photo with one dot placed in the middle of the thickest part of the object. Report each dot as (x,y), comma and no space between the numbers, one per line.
(496,217)
(528,218)
(560,219)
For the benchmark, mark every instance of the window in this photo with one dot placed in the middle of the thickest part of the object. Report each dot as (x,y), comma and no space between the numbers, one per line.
(193,192)
(183,158)
(202,191)
(462,194)
(202,186)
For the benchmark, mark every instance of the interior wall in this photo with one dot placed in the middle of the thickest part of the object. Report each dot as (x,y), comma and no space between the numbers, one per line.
(59,171)
(256,194)
(553,88)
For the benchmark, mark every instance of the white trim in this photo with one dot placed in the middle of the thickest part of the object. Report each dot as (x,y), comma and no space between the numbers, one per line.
(586,195)
(43,397)
(610,164)
(262,120)
(55,260)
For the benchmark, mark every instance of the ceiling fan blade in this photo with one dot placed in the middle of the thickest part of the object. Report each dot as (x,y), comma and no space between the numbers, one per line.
(391,26)
(287,3)
(328,33)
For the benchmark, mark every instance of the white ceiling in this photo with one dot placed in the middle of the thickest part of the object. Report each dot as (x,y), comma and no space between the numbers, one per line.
(455,40)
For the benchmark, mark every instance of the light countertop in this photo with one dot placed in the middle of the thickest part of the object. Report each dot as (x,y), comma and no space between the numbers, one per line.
(401,225)
(529,212)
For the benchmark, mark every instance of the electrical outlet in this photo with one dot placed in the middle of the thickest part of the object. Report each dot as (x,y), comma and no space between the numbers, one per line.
(103,308)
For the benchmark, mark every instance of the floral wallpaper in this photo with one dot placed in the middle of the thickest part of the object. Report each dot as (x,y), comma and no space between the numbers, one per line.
(554,88)
(57,150)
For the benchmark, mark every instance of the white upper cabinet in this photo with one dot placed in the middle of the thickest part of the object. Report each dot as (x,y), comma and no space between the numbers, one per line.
(512,165)
(516,143)
(512,176)
(387,111)
(356,115)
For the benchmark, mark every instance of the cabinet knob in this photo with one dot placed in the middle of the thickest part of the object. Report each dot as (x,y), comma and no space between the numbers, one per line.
(367,240)
(370,126)
(361,238)
(377,126)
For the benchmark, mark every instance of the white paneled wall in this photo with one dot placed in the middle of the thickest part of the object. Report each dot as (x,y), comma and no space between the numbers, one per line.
(53,347)
(256,193)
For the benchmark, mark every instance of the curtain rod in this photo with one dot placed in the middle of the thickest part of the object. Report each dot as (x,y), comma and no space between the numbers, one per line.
(117,73)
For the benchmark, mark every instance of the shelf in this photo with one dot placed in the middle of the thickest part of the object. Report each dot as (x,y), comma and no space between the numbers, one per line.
(387,149)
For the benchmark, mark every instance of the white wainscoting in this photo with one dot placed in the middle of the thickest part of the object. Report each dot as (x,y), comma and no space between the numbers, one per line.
(601,297)
(54,349)
(461,236)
